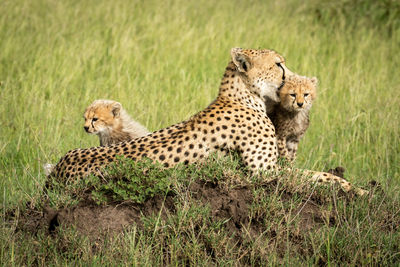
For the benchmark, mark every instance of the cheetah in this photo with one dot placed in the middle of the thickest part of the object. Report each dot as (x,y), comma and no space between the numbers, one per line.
(108,120)
(235,121)
(291,116)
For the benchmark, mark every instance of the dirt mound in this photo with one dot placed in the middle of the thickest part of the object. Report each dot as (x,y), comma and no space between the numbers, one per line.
(249,219)
(233,206)
(207,214)
(91,219)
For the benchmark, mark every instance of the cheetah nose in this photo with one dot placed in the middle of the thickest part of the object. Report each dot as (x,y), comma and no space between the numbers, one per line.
(86,128)
(300,104)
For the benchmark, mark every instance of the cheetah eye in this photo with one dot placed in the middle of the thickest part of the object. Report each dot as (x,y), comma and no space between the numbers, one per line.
(305,95)
(293,95)
(94,119)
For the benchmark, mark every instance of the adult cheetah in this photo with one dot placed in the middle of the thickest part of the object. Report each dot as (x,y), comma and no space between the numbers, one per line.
(235,121)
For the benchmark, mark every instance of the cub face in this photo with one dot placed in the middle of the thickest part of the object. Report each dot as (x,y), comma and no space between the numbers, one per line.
(101,116)
(298,93)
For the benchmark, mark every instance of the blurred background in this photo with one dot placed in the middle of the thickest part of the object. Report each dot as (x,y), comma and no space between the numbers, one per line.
(163,60)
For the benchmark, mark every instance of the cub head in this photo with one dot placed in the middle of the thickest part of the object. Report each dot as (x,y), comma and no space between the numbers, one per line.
(102,116)
(263,71)
(298,93)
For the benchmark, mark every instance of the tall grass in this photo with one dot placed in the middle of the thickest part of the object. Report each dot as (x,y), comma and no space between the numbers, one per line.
(163,61)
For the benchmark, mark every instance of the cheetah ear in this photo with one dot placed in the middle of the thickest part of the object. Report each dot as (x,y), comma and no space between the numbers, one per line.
(241,60)
(314,81)
(116,108)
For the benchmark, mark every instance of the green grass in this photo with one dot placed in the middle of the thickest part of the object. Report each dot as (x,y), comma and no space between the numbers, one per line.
(164,60)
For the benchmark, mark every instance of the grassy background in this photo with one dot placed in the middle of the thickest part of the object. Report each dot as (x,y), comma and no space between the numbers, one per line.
(163,61)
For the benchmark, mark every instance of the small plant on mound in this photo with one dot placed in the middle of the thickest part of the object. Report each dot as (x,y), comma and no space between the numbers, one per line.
(129,180)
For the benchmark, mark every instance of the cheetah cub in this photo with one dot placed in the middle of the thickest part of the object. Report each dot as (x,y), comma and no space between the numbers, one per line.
(108,120)
(291,116)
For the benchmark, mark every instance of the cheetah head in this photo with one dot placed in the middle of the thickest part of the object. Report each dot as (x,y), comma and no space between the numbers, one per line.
(102,116)
(298,93)
(263,71)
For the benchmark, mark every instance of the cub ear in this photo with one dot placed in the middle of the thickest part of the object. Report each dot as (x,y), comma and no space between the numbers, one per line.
(240,59)
(116,108)
(314,81)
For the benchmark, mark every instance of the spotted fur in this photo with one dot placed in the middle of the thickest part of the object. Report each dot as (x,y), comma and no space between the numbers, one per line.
(235,121)
(291,116)
(108,120)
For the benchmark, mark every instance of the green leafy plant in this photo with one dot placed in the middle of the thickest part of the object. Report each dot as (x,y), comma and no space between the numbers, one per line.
(129,180)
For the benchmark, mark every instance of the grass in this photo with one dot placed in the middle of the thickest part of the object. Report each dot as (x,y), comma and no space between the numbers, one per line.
(163,62)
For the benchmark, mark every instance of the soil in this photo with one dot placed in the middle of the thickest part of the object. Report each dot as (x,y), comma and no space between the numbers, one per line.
(93,220)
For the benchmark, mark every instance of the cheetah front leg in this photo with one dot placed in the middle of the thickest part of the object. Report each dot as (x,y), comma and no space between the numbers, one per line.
(267,161)
(283,149)
(260,157)
(328,178)
(264,157)
(291,146)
